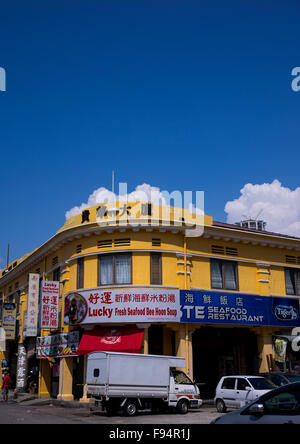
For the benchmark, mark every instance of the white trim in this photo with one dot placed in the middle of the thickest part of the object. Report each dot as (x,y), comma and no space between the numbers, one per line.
(216,290)
(104,287)
(288,296)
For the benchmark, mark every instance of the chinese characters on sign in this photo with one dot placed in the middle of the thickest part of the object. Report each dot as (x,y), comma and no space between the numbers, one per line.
(133,210)
(49,304)
(122,305)
(21,368)
(243,309)
(32,304)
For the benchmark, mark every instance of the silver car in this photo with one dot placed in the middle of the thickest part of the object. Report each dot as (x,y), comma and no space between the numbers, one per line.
(237,391)
(279,406)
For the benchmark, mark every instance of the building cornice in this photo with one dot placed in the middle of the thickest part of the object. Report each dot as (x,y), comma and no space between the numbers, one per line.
(224,234)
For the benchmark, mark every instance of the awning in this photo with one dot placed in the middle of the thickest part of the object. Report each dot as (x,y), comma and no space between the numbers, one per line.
(116,339)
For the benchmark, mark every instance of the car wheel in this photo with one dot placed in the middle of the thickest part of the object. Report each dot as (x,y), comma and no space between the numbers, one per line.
(220,405)
(182,406)
(130,408)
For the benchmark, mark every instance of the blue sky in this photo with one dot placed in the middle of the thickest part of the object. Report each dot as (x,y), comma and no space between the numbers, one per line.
(180,95)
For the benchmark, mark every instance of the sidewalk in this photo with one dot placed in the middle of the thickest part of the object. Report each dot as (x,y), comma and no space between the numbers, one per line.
(34,400)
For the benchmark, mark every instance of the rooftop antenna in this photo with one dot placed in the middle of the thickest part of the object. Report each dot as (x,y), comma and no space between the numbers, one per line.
(7,258)
(113,181)
(259,213)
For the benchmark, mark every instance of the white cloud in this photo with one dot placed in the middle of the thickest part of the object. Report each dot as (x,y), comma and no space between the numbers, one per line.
(143,193)
(277,205)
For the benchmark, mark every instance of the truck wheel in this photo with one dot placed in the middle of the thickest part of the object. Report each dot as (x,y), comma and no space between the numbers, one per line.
(182,406)
(220,406)
(130,408)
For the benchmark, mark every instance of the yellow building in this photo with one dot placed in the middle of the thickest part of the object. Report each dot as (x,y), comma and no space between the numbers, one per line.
(217,294)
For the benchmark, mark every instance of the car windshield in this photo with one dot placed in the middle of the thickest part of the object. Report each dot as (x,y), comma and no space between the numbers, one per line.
(293,378)
(261,384)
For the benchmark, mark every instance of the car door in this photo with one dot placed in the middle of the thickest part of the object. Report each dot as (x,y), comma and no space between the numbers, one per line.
(228,392)
(243,396)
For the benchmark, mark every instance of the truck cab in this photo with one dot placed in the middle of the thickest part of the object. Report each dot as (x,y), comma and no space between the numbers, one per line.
(184,393)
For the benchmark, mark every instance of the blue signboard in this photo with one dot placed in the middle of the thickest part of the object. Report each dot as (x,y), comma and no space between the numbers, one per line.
(212,307)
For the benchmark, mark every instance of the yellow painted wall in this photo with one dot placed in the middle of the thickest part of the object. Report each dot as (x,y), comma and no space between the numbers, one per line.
(141,268)
(247,278)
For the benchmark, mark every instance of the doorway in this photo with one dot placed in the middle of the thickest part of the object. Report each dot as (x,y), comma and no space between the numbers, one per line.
(221,352)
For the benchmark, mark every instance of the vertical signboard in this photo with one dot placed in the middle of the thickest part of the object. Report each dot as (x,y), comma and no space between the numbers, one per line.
(32,305)
(21,368)
(2,340)
(49,304)
(9,320)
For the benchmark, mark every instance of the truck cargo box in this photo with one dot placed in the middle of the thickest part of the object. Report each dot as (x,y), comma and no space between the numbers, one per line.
(126,374)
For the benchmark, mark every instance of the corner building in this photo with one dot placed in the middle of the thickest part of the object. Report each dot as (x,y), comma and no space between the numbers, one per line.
(158,280)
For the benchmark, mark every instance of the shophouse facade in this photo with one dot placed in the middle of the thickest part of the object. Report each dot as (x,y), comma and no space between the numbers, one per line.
(161,282)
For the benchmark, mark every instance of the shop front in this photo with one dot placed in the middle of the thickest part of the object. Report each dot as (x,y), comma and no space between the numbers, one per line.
(233,332)
(118,319)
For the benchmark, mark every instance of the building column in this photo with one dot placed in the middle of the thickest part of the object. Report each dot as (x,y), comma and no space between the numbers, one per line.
(44,379)
(66,380)
(183,347)
(85,398)
(146,341)
(265,349)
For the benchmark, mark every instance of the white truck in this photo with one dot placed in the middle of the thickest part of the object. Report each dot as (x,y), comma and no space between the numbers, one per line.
(134,382)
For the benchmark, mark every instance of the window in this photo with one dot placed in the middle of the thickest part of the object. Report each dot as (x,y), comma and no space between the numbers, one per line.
(286,402)
(155,269)
(114,269)
(17,301)
(180,377)
(105,243)
(242,384)
(228,384)
(292,281)
(56,274)
(156,242)
(292,259)
(80,273)
(122,242)
(224,274)
(261,384)
(229,251)
(96,372)
(54,261)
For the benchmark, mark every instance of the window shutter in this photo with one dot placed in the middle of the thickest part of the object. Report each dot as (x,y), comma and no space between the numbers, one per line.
(156,272)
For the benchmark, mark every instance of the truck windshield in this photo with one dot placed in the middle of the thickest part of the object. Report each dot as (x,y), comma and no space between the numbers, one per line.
(180,377)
